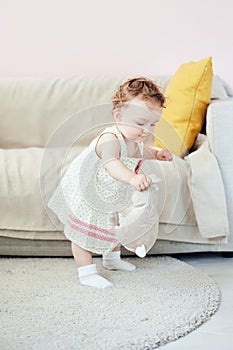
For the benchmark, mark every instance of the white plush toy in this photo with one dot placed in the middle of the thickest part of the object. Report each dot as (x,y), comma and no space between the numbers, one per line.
(138,229)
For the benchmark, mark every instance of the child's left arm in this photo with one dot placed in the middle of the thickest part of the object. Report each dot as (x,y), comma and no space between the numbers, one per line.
(162,154)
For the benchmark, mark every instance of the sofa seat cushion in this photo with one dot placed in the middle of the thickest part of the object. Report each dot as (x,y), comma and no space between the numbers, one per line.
(20,201)
(29,176)
(21,197)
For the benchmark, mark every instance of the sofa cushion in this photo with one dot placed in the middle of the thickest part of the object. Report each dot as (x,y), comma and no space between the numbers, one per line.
(32,109)
(20,205)
(29,177)
(218,91)
(188,95)
(22,195)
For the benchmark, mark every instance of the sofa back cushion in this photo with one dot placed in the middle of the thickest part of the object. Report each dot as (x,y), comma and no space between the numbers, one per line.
(32,109)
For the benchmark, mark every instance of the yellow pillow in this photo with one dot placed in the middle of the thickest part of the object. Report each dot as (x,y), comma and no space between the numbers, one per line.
(188,95)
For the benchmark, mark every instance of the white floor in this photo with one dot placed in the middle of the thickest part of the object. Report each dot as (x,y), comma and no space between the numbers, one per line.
(217,333)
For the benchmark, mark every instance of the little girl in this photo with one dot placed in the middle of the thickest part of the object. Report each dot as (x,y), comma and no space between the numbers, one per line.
(100,180)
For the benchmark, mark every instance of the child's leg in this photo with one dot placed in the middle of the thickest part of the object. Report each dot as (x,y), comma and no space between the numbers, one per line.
(82,257)
(87,272)
(112,261)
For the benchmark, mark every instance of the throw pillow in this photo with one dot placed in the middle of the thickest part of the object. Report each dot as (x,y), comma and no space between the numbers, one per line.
(188,95)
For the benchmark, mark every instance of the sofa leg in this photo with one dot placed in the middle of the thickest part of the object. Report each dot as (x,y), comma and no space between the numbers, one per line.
(227,254)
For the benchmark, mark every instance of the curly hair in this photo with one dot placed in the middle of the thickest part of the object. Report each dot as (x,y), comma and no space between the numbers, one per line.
(141,87)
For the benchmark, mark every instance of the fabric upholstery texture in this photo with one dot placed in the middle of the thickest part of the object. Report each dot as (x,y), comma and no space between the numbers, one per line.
(219,129)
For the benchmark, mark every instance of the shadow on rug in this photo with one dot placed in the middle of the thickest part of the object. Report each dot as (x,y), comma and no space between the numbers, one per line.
(43,306)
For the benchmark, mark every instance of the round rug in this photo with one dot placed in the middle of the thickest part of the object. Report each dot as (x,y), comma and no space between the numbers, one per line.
(43,306)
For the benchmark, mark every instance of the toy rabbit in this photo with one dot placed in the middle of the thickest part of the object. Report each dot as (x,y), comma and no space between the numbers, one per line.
(138,230)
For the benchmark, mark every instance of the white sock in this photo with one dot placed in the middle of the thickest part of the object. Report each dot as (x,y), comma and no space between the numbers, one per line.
(112,261)
(88,276)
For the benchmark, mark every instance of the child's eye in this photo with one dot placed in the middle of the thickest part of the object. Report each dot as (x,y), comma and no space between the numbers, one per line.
(153,124)
(140,124)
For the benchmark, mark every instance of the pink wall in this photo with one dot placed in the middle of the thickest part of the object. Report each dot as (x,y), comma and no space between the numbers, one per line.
(120,37)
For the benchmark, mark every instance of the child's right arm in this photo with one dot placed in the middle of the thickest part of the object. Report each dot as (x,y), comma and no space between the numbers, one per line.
(108,149)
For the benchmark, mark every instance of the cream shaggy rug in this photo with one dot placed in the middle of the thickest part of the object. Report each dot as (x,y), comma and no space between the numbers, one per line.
(44,307)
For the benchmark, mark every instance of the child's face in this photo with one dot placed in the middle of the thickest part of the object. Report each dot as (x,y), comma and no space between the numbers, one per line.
(137,121)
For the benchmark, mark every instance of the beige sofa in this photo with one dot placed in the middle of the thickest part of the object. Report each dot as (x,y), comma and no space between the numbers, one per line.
(43,125)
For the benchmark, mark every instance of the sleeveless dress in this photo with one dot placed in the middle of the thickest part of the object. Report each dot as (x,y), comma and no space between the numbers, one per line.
(87,198)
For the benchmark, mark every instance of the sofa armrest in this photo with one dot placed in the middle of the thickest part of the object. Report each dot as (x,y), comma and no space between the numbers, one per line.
(219,130)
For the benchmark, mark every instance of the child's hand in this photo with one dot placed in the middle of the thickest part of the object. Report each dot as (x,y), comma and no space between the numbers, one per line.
(140,182)
(164,154)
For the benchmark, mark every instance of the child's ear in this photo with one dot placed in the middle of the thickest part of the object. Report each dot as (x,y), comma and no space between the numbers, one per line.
(117,114)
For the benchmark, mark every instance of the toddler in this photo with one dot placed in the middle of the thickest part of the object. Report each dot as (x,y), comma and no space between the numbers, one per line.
(99,182)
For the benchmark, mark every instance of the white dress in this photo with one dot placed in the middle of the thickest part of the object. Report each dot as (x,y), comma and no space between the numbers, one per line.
(88,196)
